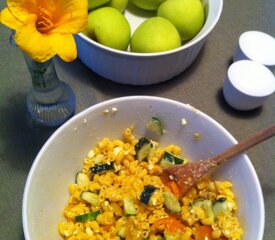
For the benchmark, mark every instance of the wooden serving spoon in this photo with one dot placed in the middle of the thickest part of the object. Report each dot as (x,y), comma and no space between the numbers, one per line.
(185,176)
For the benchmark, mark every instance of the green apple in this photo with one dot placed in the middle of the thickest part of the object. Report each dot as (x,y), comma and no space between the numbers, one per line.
(147,4)
(118,4)
(155,34)
(108,26)
(96,3)
(186,15)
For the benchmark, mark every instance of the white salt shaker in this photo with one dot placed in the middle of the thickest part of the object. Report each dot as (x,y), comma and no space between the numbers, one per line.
(248,84)
(256,46)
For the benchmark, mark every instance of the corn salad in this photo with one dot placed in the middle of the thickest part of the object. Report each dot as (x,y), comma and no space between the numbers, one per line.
(117,196)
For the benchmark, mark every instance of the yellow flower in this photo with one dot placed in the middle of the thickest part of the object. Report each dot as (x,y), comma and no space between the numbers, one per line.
(44,28)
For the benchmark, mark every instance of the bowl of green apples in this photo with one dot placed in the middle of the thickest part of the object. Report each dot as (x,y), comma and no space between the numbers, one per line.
(142,42)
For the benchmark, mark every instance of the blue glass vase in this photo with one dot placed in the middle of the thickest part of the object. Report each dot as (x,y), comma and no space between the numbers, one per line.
(50,101)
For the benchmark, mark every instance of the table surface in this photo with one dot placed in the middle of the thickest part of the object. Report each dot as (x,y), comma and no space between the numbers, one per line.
(199,86)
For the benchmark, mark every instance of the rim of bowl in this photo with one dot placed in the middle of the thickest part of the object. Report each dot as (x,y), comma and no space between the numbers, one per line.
(192,42)
(112,102)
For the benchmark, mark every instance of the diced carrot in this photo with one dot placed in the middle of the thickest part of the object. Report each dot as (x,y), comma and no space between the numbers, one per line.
(170,224)
(175,189)
(204,233)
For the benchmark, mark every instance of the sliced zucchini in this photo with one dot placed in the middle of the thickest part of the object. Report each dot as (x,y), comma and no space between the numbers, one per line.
(155,125)
(81,179)
(169,159)
(121,232)
(101,168)
(90,197)
(87,216)
(155,146)
(206,205)
(129,207)
(98,158)
(143,148)
(221,207)
(171,202)
(147,193)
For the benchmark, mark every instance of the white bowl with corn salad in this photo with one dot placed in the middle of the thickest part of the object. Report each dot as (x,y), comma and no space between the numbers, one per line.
(95,178)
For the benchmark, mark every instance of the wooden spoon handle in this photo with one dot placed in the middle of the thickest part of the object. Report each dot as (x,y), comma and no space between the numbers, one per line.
(245,144)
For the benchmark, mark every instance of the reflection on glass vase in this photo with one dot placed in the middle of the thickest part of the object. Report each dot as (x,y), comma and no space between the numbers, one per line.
(50,101)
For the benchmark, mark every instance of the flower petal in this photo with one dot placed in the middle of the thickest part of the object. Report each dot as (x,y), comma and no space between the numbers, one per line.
(48,4)
(21,9)
(9,20)
(71,16)
(36,45)
(65,47)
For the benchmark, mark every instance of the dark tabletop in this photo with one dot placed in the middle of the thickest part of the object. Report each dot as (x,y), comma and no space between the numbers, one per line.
(199,86)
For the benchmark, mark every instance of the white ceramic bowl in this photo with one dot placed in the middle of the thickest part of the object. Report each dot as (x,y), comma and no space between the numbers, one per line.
(144,69)
(46,190)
